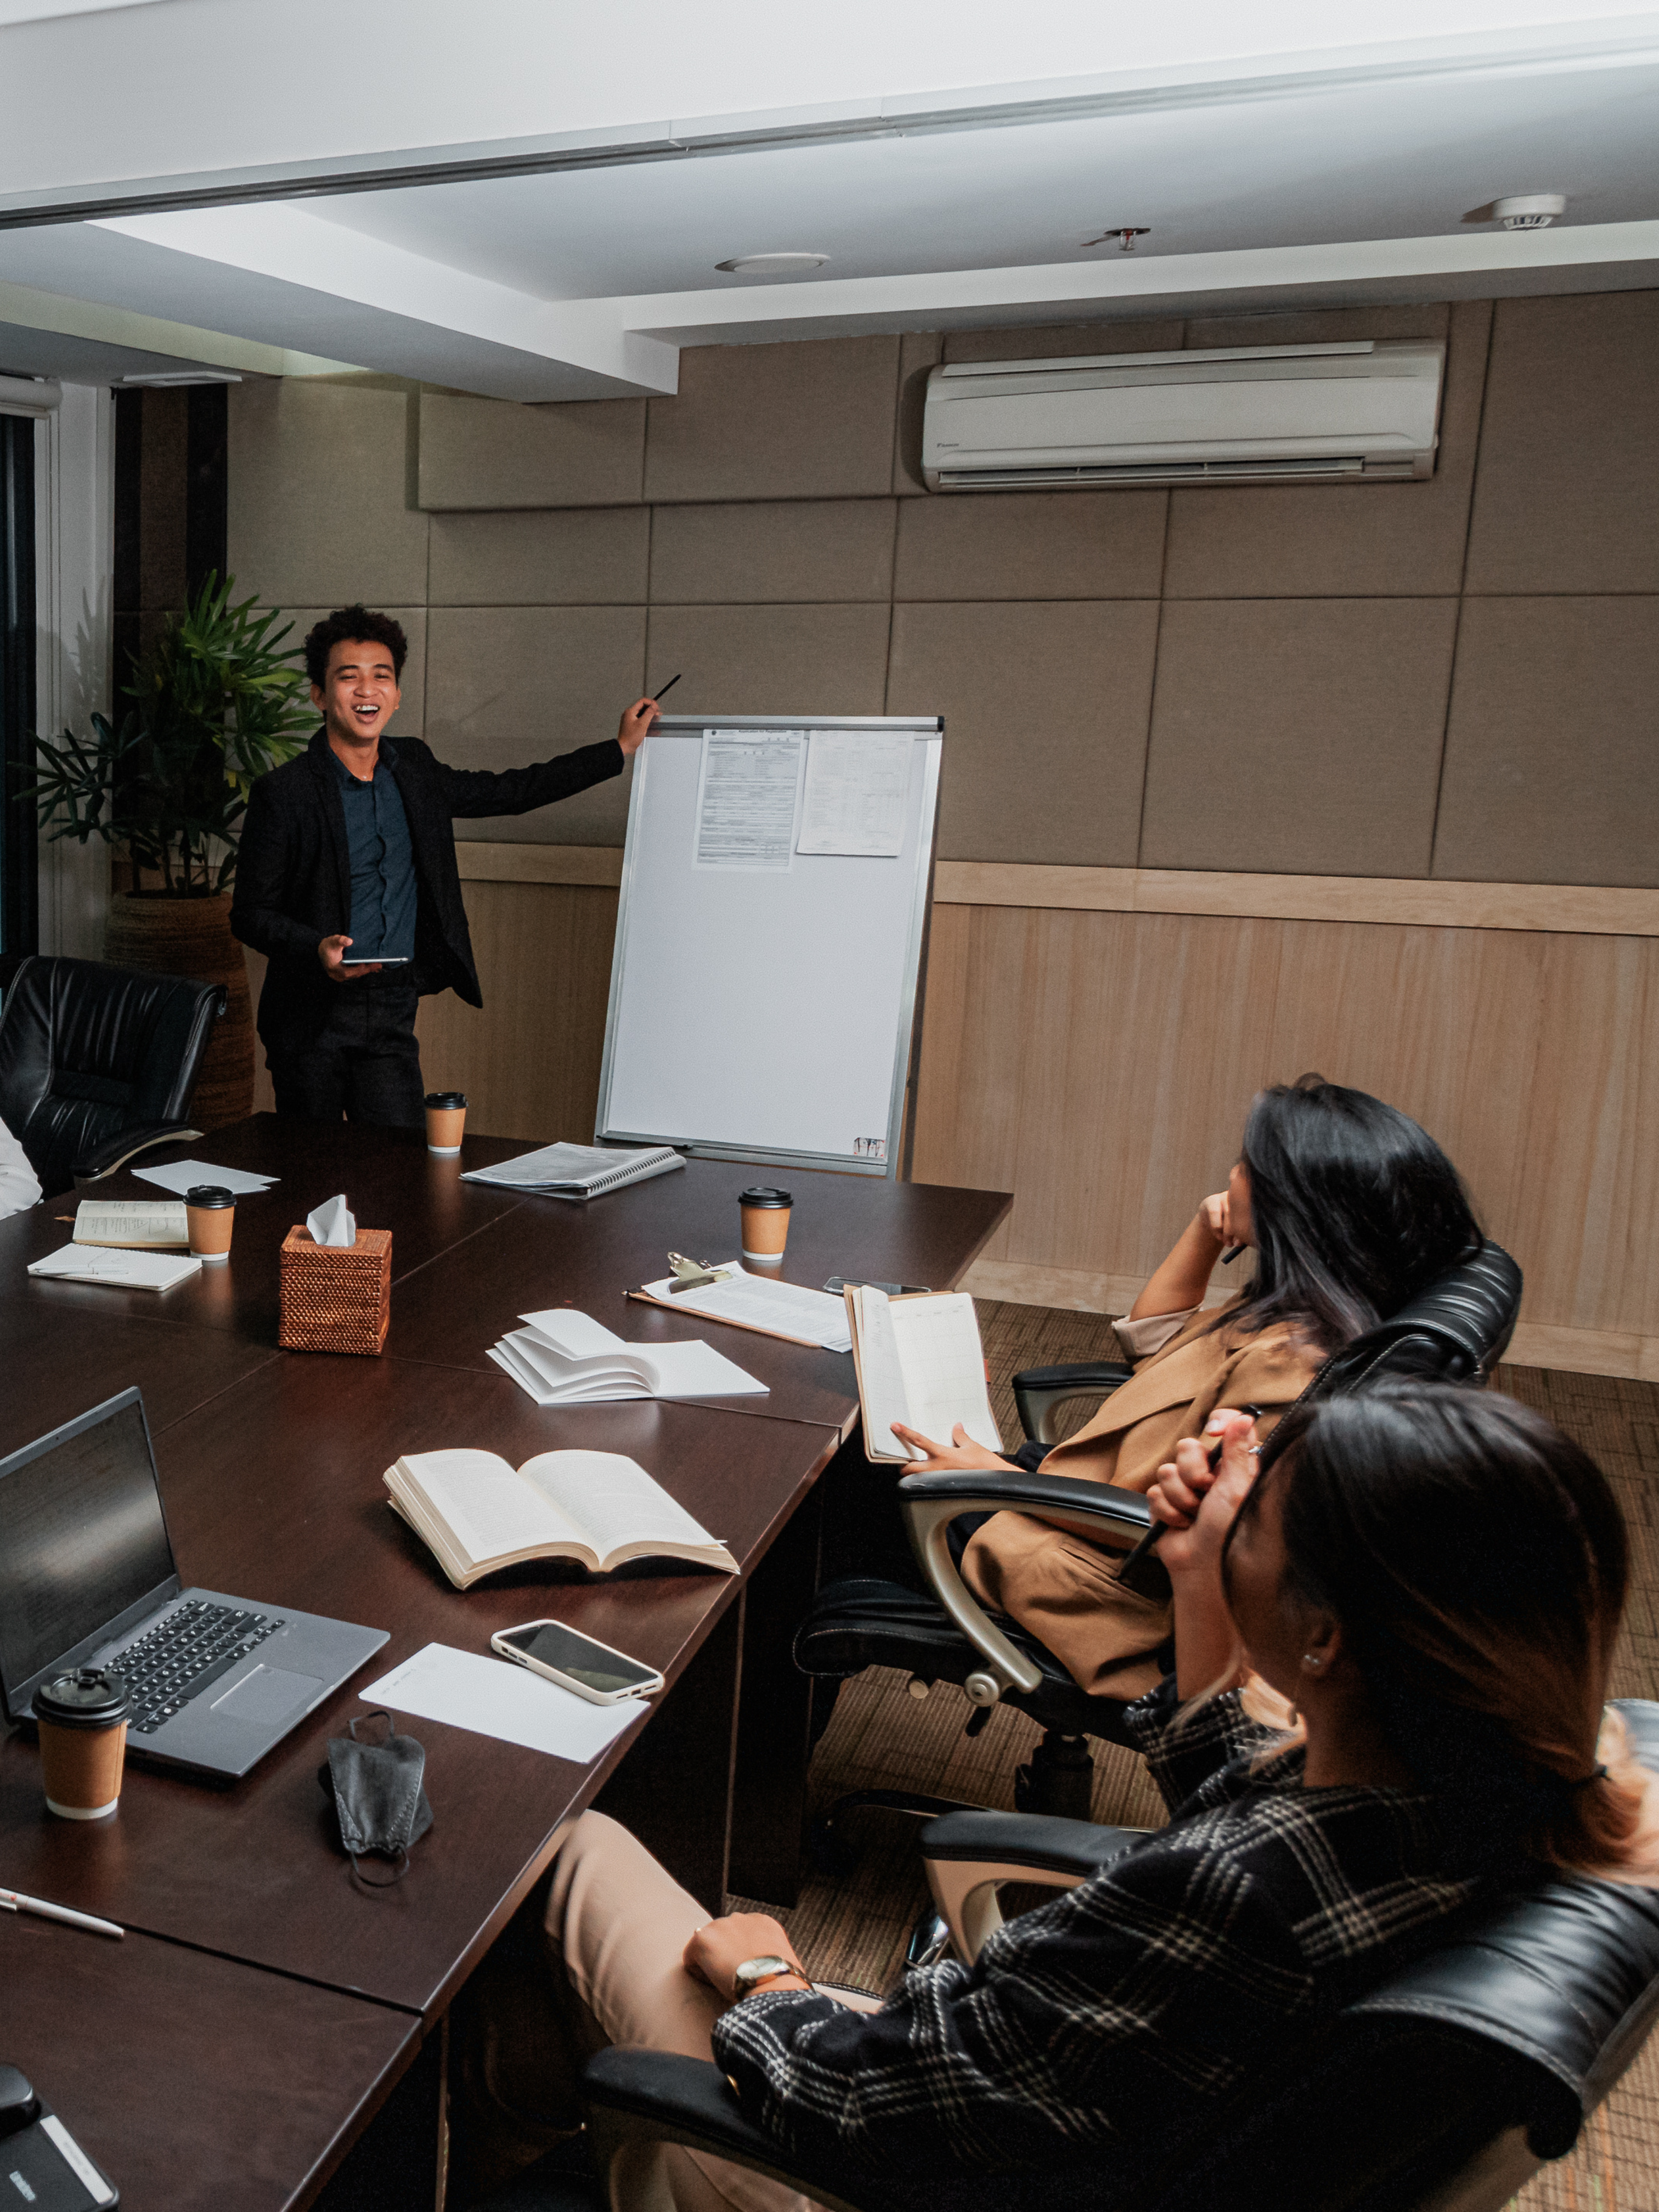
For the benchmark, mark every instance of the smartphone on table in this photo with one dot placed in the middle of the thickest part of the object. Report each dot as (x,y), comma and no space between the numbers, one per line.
(576,1662)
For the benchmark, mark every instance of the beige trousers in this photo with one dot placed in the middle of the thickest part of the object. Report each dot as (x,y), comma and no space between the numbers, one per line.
(619,1925)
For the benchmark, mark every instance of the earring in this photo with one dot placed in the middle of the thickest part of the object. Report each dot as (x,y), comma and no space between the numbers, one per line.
(1312,1662)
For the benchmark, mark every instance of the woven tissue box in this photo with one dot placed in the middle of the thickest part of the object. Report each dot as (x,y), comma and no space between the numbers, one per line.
(336,1297)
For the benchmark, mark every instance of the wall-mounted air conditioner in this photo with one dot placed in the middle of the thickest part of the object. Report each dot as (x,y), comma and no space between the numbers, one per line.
(1362,413)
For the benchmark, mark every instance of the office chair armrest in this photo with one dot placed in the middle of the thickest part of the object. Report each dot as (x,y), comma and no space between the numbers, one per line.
(930,1502)
(1039,1391)
(635,2096)
(967,1856)
(126,1145)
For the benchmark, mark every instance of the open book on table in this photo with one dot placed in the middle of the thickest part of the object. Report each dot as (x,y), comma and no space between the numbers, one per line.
(477,1515)
(141,1224)
(920,1361)
(565,1358)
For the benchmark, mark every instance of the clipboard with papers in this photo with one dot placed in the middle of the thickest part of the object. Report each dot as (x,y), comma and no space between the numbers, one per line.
(761,1303)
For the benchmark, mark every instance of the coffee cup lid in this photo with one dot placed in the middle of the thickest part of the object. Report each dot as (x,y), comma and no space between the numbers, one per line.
(209,1193)
(761,1194)
(445,1100)
(87,1697)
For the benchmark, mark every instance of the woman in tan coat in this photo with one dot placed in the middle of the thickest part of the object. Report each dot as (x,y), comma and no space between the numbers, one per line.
(1353,1209)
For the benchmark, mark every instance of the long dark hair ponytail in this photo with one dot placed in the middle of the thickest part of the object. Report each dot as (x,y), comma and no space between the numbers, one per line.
(1356,1209)
(1476,1561)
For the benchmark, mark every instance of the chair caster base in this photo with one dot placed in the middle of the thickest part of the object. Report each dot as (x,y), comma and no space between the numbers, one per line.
(1059,1779)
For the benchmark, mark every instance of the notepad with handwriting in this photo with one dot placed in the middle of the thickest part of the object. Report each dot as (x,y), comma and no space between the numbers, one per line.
(139,1224)
(920,1361)
(478,1515)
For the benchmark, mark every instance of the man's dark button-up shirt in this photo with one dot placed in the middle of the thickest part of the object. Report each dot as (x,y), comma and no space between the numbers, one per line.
(383,885)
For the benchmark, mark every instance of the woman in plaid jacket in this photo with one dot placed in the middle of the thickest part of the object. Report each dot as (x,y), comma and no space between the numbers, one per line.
(1427,1583)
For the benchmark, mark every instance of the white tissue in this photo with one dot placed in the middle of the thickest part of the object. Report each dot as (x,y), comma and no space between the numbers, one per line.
(331,1223)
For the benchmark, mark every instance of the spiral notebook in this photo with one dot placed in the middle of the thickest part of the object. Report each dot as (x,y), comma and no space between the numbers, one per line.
(578,1170)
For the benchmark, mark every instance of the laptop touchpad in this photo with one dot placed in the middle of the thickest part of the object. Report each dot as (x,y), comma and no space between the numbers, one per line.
(267,1694)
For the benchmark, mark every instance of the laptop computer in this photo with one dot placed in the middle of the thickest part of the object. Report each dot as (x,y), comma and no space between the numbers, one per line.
(86,1578)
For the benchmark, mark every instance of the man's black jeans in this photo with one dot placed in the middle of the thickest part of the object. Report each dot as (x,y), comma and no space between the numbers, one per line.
(364,1063)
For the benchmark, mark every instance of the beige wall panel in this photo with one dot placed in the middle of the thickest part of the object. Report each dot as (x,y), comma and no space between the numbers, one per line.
(810,420)
(1587,1209)
(1049,341)
(492,452)
(756,552)
(1031,545)
(1046,710)
(594,556)
(1270,541)
(771,661)
(529,1062)
(918,352)
(317,507)
(1569,477)
(507,685)
(1549,774)
(1320,326)
(1444,1024)
(410,721)
(1297,736)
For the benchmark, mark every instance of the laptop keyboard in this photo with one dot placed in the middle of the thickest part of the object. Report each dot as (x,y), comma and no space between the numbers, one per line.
(188,1651)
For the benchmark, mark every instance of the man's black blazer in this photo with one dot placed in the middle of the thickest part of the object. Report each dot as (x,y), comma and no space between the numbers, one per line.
(294,870)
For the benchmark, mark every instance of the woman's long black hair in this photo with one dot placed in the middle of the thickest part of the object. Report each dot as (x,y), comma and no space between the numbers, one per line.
(1356,1209)
(1477,1562)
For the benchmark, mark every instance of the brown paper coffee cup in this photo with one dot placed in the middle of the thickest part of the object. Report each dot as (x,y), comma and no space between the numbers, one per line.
(82,1720)
(765,1221)
(445,1120)
(210,1215)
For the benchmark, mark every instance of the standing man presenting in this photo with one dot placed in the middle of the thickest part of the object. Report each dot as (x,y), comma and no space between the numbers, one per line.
(347,879)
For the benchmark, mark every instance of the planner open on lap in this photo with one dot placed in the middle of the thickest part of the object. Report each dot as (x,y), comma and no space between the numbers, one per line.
(477,1515)
(919,1360)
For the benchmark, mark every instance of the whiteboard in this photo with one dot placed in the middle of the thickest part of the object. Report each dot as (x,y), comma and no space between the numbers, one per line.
(763,1001)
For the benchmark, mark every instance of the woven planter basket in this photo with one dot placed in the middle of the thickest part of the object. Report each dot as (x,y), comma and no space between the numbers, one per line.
(336,1299)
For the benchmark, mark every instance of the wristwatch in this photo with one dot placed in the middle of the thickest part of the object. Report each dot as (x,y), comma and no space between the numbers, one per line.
(753,1972)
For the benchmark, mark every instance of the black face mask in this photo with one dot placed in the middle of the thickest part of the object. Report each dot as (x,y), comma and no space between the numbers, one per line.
(378,1798)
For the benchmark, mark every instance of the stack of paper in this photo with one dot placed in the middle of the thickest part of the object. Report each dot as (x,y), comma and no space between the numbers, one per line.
(124,1271)
(578,1170)
(184,1175)
(564,1359)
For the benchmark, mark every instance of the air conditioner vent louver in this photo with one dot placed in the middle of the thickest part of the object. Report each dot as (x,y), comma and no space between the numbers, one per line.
(1357,413)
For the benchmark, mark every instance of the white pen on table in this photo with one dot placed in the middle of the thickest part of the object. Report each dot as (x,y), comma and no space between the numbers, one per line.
(15,1901)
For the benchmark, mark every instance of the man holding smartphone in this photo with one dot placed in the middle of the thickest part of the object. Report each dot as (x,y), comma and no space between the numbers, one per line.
(347,879)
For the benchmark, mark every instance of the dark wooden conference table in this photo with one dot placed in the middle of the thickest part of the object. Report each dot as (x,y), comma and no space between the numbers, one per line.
(264,2008)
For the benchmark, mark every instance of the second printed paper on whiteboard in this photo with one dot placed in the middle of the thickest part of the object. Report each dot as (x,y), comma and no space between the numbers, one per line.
(748,790)
(857,783)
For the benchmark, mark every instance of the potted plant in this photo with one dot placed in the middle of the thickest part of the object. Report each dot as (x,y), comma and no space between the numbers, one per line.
(216,701)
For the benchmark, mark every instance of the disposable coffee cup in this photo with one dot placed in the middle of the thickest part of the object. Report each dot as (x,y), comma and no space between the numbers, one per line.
(765,1223)
(445,1118)
(83,1720)
(211,1212)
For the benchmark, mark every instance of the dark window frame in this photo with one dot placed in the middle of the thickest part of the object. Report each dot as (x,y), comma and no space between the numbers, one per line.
(20,921)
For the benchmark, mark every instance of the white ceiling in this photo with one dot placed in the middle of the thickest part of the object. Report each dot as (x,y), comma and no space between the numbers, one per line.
(1289,173)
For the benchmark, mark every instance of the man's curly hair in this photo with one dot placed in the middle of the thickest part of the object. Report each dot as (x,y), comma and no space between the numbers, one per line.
(353,622)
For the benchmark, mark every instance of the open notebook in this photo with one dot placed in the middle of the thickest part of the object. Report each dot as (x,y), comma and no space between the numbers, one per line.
(478,1515)
(565,1358)
(920,1361)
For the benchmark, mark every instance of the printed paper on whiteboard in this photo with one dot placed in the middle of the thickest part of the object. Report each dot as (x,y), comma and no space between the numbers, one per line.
(857,783)
(748,796)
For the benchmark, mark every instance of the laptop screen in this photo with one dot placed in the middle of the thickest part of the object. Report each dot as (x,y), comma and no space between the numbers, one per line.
(81,1539)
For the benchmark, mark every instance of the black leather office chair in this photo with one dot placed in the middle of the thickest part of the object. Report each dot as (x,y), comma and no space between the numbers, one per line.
(1457,1331)
(98,1064)
(1446,2087)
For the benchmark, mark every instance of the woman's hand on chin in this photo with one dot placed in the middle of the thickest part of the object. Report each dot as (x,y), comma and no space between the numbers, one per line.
(956,1457)
(1195,1506)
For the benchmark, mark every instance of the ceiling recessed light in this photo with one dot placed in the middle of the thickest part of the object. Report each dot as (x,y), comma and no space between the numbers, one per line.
(1530,210)
(772,264)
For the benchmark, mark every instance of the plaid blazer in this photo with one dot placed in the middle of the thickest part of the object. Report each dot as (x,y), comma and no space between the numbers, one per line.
(1129,2004)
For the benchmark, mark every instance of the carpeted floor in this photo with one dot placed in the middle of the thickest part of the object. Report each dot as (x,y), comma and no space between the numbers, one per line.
(855,1928)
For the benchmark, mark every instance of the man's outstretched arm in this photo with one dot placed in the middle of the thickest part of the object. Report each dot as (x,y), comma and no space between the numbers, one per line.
(472,792)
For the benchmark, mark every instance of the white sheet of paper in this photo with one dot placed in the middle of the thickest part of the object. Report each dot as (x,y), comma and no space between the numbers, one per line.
(856,789)
(937,1341)
(748,796)
(493,1697)
(124,1271)
(185,1174)
(759,1303)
